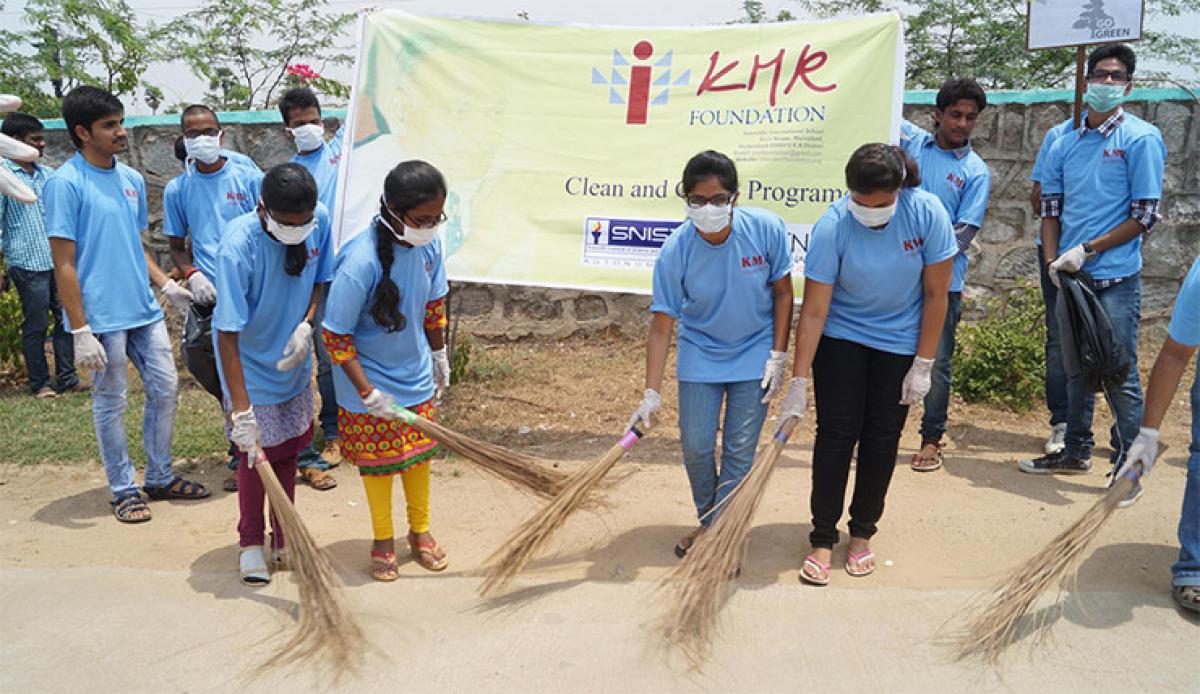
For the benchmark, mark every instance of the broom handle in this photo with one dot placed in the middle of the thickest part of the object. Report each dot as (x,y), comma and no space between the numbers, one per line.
(785,431)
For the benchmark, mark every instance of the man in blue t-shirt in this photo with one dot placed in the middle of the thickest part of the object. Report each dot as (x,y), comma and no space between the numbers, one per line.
(1101,188)
(198,205)
(95,215)
(952,171)
(1183,336)
(303,125)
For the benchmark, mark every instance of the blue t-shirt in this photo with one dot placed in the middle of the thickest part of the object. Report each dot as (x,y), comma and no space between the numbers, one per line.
(202,205)
(397,363)
(104,212)
(721,295)
(1185,318)
(1039,164)
(878,292)
(1099,178)
(241,160)
(322,163)
(264,304)
(958,178)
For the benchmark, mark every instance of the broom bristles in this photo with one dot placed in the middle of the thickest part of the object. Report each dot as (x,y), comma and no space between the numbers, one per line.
(522,471)
(998,624)
(535,532)
(326,629)
(699,581)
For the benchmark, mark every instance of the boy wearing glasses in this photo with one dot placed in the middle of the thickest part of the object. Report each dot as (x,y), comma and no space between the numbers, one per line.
(1101,189)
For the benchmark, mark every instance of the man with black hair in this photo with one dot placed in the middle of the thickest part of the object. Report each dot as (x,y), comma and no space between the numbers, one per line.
(26,250)
(198,205)
(301,113)
(951,170)
(95,215)
(1101,188)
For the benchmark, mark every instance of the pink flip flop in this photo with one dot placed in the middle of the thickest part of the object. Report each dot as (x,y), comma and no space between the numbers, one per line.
(823,569)
(858,559)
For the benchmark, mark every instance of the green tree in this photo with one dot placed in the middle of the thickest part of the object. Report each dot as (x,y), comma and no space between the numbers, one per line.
(753,12)
(20,75)
(985,39)
(243,47)
(153,96)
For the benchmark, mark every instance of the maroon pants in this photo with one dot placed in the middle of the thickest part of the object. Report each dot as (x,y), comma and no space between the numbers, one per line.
(251,495)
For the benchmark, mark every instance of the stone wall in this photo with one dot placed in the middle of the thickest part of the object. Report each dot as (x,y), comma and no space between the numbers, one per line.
(1007,137)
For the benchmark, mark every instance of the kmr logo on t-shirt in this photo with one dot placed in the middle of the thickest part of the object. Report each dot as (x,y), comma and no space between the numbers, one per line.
(955,181)
(913,245)
(131,193)
(1115,153)
(754,263)
(235,196)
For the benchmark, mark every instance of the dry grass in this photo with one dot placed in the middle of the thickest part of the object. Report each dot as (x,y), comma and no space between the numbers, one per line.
(532,535)
(1004,617)
(699,581)
(326,632)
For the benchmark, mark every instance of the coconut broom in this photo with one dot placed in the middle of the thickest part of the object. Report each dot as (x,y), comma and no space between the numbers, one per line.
(533,534)
(997,625)
(714,558)
(326,629)
(518,469)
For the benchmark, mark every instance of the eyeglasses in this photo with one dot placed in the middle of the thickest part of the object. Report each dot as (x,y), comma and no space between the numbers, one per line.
(720,200)
(1118,76)
(427,223)
(209,132)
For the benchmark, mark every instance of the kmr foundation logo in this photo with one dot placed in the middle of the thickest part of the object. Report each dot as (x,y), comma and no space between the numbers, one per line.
(639,82)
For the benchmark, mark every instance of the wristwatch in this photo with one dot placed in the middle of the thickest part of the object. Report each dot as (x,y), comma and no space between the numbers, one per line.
(1088,250)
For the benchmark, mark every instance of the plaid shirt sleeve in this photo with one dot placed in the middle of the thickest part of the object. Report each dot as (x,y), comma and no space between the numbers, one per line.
(1052,205)
(1145,212)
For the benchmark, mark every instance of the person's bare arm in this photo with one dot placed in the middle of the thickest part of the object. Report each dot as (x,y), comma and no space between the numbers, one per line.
(1050,232)
(813,312)
(1124,232)
(157,277)
(784,296)
(1172,361)
(67,281)
(231,368)
(181,255)
(935,280)
(657,345)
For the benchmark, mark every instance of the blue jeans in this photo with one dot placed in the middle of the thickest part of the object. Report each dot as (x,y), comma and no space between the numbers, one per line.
(39,302)
(149,349)
(937,401)
(699,417)
(1186,571)
(1056,377)
(327,416)
(1122,302)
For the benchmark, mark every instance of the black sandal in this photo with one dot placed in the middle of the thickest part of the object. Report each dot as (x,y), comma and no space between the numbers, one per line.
(178,488)
(125,508)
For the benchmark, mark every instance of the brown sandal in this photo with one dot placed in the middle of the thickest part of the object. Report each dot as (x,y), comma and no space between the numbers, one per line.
(384,566)
(318,479)
(922,463)
(426,554)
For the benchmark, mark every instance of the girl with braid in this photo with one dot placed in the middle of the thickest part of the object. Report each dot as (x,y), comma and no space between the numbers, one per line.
(384,327)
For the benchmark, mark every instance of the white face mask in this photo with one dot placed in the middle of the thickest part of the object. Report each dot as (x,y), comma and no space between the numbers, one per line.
(710,218)
(308,137)
(412,235)
(871,217)
(205,149)
(289,234)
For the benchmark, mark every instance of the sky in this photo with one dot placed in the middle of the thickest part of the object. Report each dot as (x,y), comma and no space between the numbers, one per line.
(179,85)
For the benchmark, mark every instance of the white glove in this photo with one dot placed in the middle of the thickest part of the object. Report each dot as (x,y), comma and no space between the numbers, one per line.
(244,432)
(795,402)
(1071,261)
(179,297)
(380,404)
(13,187)
(296,349)
(1144,450)
(651,401)
(202,289)
(917,381)
(89,352)
(773,374)
(441,369)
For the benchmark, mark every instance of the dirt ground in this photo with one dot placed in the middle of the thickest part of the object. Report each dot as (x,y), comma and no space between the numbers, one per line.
(158,607)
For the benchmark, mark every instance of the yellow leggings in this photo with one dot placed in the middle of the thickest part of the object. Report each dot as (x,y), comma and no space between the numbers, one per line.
(416,495)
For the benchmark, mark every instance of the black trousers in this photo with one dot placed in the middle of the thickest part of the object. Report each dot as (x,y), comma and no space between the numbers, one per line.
(857,389)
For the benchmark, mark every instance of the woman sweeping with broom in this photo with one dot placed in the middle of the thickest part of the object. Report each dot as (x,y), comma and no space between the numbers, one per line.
(384,327)
(876,276)
(271,267)
(724,276)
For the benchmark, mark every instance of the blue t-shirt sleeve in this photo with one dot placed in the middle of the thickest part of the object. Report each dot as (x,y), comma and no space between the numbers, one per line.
(324,247)
(780,250)
(174,223)
(668,282)
(821,261)
(143,209)
(939,242)
(1040,162)
(1145,158)
(1051,172)
(233,272)
(973,204)
(347,297)
(335,144)
(911,137)
(62,208)
(1185,318)
(438,287)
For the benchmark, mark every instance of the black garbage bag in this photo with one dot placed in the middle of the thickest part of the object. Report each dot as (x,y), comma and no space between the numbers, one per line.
(1089,344)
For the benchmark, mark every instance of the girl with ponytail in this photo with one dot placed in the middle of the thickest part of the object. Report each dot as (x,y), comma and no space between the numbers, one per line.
(877,273)
(385,328)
